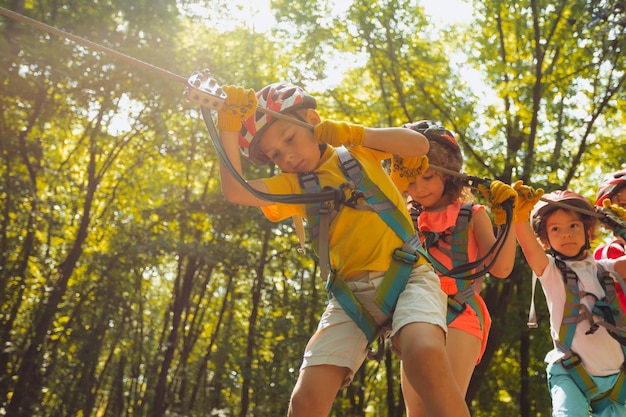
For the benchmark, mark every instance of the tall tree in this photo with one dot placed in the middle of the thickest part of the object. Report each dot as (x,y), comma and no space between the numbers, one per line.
(556,77)
(128,286)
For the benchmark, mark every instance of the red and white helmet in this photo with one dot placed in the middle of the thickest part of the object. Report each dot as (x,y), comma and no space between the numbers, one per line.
(610,185)
(537,214)
(279,97)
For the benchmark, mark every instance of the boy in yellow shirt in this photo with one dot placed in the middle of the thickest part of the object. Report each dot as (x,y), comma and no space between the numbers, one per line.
(362,246)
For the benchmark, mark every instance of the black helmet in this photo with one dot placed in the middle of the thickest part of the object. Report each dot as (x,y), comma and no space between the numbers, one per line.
(436,133)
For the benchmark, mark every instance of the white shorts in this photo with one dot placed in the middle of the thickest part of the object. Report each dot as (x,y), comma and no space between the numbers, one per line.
(339,341)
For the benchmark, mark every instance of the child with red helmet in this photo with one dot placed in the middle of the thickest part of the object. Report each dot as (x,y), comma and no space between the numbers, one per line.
(461,233)
(586,367)
(613,188)
(361,257)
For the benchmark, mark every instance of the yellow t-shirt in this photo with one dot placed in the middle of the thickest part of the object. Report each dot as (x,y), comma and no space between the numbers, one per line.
(359,240)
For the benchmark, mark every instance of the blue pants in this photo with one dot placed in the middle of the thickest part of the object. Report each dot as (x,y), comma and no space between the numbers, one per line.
(569,401)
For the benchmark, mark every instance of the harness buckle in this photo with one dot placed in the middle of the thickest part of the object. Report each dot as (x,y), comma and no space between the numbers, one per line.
(455,305)
(354,198)
(406,257)
(571,361)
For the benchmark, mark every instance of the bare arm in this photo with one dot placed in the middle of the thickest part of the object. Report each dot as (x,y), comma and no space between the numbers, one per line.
(532,249)
(620,266)
(231,188)
(396,140)
(483,231)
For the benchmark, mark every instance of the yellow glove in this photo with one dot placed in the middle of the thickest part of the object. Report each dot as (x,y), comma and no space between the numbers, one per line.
(617,210)
(239,105)
(527,197)
(405,170)
(497,194)
(339,133)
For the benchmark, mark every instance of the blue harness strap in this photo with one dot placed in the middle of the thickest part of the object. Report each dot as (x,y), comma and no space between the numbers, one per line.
(353,307)
(403,258)
(458,239)
(575,312)
(365,196)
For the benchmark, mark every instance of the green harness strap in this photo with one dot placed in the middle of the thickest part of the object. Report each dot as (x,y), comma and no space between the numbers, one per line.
(403,259)
(575,312)
(458,238)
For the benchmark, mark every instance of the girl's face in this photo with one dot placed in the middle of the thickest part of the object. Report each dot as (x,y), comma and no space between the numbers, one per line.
(291,147)
(427,190)
(566,232)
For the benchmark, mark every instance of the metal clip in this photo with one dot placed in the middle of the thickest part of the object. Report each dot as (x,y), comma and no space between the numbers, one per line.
(205,91)
(354,198)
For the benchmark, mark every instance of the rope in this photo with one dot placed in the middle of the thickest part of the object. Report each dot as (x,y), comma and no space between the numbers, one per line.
(84,42)
(178,78)
(473,180)
(129,59)
(326,194)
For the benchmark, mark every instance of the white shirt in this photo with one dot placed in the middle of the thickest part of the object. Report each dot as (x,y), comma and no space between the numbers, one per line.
(600,353)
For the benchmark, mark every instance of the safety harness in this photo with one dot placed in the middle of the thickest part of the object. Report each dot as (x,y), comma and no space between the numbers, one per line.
(457,237)
(574,312)
(365,195)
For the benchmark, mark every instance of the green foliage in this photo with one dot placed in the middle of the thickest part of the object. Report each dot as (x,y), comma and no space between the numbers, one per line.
(558,77)
(128,286)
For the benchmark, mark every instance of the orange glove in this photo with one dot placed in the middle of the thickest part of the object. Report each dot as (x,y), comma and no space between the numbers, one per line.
(239,105)
(339,133)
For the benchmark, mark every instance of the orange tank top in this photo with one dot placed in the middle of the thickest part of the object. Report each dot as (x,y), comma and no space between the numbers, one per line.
(442,222)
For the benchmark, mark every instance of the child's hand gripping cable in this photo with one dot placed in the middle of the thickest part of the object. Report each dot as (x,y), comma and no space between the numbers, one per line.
(238,106)
(614,217)
(527,197)
(498,194)
(405,170)
(339,133)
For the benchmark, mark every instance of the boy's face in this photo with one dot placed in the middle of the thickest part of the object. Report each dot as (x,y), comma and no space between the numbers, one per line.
(291,147)
(566,232)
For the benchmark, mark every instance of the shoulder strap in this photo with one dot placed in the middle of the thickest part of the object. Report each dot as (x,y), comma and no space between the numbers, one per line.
(459,241)
(572,310)
(610,308)
(403,258)
(375,199)
(319,217)
(457,237)
(607,307)
(572,314)
(365,196)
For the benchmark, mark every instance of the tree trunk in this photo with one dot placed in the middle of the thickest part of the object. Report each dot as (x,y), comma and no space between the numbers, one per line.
(182,293)
(251,339)
(17,273)
(27,390)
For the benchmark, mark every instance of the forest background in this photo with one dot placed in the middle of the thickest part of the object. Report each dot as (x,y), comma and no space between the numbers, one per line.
(129,287)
